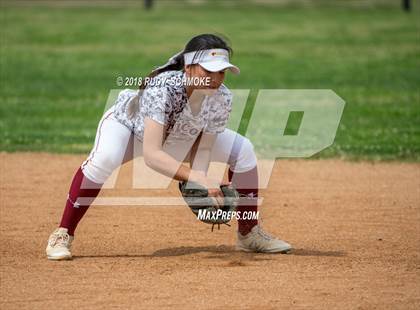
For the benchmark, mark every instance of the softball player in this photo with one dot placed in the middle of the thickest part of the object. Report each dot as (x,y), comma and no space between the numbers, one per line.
(168,112)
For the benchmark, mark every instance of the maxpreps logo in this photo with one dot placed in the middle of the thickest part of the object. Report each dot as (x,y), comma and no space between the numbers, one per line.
(204,215)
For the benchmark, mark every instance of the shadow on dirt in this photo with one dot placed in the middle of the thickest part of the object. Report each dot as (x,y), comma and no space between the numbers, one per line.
(221,251)
(170,252)
(187,250)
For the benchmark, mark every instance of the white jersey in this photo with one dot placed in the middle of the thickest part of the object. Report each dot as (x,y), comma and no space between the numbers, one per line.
(165,102)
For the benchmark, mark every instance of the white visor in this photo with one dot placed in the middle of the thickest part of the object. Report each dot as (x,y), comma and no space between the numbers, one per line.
(213,60)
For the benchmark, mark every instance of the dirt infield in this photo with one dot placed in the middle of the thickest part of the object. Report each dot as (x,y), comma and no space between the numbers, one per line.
(355,228)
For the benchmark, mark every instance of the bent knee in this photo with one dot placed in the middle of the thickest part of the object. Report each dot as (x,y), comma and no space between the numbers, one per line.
(99,167)
(243,158)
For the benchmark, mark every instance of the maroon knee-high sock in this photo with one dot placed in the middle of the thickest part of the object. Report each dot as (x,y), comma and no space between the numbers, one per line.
(81,186)
(246,183)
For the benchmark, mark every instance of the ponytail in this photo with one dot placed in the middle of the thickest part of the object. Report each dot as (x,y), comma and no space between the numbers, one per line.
(176,62)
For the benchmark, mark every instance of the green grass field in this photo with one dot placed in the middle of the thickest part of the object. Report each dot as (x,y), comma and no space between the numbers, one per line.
(58,65)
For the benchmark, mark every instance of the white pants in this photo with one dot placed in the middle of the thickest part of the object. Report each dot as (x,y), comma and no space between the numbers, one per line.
(114,144)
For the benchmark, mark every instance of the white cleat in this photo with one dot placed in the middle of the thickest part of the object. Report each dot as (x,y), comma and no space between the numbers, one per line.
(258,240)
(59,244)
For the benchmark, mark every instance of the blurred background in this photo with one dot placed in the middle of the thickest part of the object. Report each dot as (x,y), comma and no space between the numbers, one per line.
(59,59)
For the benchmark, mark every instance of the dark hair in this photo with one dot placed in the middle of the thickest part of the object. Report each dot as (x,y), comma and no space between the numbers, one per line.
(198,43)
